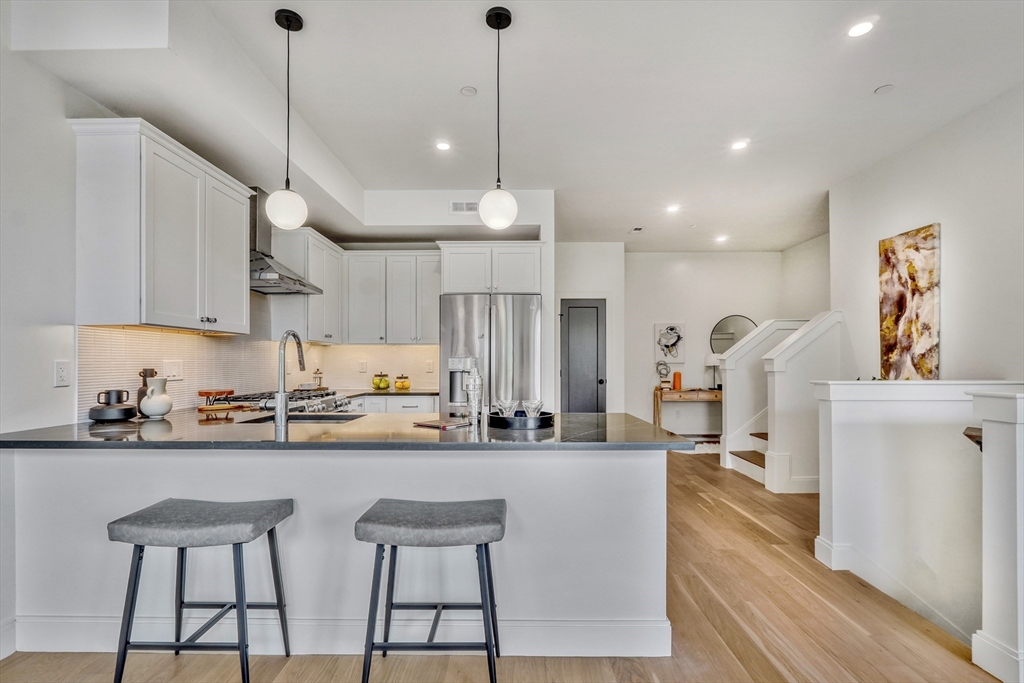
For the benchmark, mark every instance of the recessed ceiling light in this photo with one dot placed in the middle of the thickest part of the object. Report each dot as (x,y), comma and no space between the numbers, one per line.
(723,238)
(468,91)
(672,208)
(860,29)
(443,146)
(740,144)
(884,89)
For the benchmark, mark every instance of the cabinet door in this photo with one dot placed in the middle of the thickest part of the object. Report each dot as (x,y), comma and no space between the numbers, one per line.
(374,404)
(356,405)
(467,270)
(227,258)
(410,404)
(401,298)
(173,239)
(316,273)
(366,301)
(516,270)
(332,297)
(428,299)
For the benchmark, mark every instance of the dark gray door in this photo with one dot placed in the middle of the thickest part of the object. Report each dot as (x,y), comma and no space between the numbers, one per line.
(583,355)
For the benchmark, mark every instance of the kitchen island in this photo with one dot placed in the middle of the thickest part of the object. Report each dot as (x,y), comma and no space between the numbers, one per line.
(581,570)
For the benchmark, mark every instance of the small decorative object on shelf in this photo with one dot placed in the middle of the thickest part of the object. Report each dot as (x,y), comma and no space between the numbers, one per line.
(402,383)
(381,381)
(533,407)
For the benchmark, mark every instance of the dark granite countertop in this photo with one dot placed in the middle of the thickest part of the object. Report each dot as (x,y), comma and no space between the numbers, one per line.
(185,429)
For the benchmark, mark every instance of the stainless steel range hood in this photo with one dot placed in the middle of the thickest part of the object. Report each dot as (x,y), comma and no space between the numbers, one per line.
(266,275)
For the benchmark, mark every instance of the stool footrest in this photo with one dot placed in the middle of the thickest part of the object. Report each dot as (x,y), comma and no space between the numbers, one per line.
(421,647)
(227,603)
(436,605)
(184,646)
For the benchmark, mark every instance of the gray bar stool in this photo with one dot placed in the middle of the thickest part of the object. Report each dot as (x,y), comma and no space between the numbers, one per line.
(183,524)
(432,525)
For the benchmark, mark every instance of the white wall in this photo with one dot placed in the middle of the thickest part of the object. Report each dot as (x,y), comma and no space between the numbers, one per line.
(597,270)
(37,238)
(805,282)
(697,289)
(967,177)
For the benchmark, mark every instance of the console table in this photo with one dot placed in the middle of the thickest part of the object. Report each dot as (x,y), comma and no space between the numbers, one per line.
(701,395)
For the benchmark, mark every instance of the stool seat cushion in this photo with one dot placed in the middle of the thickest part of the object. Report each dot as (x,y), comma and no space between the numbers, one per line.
(432,525)
(182,523)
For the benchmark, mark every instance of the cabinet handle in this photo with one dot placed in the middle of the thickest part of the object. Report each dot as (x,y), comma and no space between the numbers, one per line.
(328,336)
(382,338)
(214,320)
(203,319)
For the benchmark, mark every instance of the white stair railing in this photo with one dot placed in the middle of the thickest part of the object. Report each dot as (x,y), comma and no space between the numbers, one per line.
(745,386)
(814,352)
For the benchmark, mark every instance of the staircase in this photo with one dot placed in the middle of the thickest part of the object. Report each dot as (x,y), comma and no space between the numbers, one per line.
(751,463)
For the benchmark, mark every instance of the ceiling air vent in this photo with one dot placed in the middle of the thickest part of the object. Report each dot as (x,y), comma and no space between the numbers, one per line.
(463,208)
(635,230)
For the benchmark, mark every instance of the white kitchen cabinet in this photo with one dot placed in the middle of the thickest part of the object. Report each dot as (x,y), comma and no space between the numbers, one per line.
(375,404)
(357,405)
(490,267)
(410,404)
(413,298)
(367,303)
(162,235)
(316,317)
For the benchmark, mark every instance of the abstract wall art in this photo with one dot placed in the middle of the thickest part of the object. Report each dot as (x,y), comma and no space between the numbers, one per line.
(908,304)
(668,342)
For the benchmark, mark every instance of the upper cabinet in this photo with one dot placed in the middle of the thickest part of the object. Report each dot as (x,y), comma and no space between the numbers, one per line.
(316,317)
(162,235)
(490,267)
(394,298)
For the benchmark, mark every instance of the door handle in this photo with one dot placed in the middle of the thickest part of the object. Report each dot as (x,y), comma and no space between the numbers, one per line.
(600,381)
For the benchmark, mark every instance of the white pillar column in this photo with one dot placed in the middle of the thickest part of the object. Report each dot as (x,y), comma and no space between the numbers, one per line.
(999,646)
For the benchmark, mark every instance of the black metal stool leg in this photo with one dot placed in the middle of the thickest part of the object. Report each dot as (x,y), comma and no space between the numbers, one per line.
(485,603)
(490,591)
(179,596)
(241,613)
(129,612)
(275,568)
(371,621)
(389,598)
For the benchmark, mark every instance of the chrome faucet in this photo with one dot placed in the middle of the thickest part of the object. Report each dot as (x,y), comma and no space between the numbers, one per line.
(281,402)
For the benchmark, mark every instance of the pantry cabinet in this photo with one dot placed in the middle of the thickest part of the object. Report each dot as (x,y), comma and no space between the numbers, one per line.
(162,235)
(316,317)
(366,298)
(490,267)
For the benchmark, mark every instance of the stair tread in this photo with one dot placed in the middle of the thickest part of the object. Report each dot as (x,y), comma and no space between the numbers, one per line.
(753,457)
(760,435)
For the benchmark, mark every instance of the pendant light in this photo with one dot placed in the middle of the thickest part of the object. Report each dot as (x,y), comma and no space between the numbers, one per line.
(285,208)
(498,207)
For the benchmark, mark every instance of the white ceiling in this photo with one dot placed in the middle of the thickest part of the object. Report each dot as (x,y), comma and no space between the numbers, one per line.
(621,107)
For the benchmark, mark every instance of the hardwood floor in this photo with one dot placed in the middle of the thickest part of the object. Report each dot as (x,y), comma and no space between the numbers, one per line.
(747,600)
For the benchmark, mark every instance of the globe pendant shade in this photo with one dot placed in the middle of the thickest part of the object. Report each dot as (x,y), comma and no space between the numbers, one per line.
(498,209)
(286,209)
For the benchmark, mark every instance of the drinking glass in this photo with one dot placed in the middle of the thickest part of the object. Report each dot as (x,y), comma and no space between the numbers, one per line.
(533,407)
(507,408)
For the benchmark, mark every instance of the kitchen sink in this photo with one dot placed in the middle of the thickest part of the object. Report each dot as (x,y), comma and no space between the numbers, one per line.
(309,418)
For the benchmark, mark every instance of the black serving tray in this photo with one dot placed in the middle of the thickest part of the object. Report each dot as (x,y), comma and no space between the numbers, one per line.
(520,421)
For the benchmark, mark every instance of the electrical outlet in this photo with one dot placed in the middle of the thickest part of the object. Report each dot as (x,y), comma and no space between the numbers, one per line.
(430,366)
(174,370)
(362,366)
(62,373)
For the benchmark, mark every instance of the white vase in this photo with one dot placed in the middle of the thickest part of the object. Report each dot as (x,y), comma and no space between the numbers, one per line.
(156,403)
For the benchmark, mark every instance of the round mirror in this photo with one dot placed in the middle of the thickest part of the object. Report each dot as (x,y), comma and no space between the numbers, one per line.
(730,330)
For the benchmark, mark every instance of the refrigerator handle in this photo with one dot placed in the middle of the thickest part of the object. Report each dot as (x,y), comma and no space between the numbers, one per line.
(491,359)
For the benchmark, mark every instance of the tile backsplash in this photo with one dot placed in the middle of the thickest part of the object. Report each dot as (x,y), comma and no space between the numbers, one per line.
(111,358)
(341,365)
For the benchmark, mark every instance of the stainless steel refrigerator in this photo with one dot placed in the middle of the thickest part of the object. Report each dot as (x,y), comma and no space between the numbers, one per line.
(502,332)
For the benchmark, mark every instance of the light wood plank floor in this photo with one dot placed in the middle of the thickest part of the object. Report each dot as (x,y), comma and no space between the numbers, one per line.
(747,600)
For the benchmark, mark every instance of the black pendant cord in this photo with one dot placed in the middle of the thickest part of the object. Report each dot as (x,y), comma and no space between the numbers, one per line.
(498,80)
(288,125)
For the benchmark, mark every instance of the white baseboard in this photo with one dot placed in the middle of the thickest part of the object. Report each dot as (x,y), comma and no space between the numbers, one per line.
(778,477)
(8,638)
(844,556)
(748,469)
(543,638)
(997,659)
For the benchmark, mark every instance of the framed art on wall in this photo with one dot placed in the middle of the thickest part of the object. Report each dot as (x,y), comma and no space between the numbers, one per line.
(908,304)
